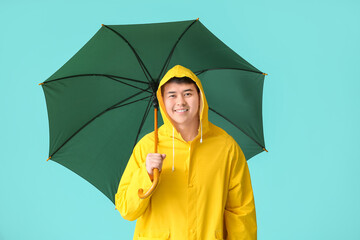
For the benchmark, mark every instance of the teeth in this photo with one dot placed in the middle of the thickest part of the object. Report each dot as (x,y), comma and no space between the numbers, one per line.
(184,110)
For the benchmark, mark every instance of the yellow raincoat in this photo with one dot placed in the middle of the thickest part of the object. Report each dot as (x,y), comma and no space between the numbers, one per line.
(207,196)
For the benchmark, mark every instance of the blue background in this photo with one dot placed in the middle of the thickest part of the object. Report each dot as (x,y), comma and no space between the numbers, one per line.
(305,187)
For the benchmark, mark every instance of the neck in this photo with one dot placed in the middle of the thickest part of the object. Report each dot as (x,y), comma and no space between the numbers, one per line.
(188,131)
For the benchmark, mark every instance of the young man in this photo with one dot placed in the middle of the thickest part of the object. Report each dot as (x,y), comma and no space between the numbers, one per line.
(204,190)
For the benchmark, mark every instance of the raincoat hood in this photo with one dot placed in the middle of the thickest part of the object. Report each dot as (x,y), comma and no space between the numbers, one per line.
(180,71)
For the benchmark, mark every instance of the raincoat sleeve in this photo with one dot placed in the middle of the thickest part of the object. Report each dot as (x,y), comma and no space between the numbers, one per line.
(135,176)
(240,217)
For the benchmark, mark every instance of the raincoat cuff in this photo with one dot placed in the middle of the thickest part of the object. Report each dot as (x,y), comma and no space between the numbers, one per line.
(147,181)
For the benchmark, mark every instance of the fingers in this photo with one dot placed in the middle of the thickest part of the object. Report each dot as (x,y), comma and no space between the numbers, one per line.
(156,156)
(154,160)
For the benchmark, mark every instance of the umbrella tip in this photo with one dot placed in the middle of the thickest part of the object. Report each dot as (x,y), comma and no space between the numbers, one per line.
(48,158)
(265,150)
(265,74)
(197,19)
(41,83)
(102,24)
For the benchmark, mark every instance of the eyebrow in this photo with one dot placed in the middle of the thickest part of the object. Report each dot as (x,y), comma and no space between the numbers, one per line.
(186,90)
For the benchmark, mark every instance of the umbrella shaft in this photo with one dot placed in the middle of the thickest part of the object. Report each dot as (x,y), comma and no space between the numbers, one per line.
(156,129)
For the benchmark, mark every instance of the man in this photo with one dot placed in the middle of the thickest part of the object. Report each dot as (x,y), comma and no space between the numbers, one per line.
(205,189)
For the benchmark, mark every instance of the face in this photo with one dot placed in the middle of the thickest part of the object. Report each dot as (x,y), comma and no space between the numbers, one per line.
(182,103)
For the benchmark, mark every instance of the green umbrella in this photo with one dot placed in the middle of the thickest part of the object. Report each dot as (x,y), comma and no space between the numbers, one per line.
(99,103)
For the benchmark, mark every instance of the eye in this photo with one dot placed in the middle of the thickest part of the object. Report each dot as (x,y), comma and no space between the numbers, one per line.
(171,96)
(188,94)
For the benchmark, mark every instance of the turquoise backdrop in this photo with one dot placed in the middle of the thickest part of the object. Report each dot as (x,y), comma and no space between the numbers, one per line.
(306,187)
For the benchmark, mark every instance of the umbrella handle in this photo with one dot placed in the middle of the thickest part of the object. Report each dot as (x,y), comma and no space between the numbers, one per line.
(141,193)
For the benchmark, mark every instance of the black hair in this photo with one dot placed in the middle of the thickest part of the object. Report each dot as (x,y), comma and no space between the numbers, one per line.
(179,81)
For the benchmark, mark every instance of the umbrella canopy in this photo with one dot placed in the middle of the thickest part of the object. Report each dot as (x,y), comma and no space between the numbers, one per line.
(99,103)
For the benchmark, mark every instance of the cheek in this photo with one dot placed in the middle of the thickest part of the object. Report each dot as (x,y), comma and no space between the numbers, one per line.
(168,105)
(196,104)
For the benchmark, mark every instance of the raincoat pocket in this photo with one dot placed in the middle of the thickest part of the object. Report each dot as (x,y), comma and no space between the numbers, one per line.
(219,235)
(164,235)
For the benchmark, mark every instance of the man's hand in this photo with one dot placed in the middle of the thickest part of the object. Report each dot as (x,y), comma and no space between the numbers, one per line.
(154,160)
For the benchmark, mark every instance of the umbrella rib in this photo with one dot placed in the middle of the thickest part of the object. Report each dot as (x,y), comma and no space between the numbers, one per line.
(94,74)
(166,64)
(101,113)
(130,85)
(205,70)
(236,126)
(131,102)
(142,65)
(143,121)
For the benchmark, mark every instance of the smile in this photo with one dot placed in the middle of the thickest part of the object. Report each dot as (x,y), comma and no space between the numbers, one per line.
(181,110)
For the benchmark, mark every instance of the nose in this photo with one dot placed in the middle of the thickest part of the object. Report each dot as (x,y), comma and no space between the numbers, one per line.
(180,101)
